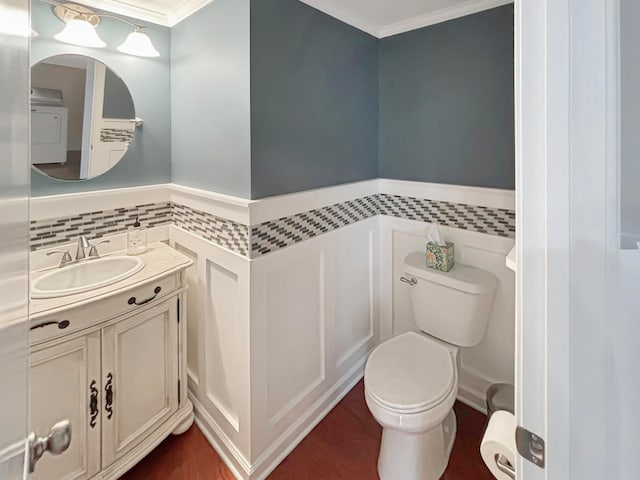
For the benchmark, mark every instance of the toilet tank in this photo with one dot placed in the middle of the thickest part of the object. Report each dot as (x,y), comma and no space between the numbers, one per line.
(455,306)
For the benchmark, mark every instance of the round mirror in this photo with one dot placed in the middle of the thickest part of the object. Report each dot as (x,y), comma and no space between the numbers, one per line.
(82,117)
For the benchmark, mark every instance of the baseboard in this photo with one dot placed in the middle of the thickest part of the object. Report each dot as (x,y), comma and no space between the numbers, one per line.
(473,389)
(289,440)
(229,453)
(472,399)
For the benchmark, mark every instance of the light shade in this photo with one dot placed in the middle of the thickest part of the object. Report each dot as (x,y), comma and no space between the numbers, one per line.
(139,44)
(80,32)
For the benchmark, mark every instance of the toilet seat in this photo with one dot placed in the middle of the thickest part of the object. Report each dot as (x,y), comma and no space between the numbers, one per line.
(410,374)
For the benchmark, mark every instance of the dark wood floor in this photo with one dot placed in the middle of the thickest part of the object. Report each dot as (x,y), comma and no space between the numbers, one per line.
(343,446)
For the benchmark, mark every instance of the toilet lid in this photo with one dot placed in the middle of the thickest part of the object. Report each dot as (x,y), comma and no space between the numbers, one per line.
(410,373)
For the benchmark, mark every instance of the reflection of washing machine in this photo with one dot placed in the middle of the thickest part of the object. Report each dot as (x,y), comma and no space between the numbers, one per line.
(49,119)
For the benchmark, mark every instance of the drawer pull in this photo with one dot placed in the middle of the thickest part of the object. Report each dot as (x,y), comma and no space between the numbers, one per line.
(93,404)
(133,300)
(61,325)
(108,402)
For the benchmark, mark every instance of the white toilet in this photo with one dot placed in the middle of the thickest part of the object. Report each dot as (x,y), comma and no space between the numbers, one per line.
(411,381)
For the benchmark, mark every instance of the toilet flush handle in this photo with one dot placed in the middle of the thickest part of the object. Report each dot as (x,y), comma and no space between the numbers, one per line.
(411,281)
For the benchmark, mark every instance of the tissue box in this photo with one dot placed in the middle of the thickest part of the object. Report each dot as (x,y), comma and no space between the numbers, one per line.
(440,258)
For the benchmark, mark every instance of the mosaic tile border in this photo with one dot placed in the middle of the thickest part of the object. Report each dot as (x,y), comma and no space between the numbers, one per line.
(225,233)
(276,234)
(97,224)
(257,240)
(281,233)
(493,221)
(111,135)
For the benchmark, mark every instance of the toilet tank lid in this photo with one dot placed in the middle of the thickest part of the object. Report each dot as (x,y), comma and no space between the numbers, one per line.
(461,277)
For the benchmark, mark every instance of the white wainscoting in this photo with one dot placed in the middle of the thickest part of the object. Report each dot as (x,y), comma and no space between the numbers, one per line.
(314,319)
(491,361)
(219,346)
(274,343)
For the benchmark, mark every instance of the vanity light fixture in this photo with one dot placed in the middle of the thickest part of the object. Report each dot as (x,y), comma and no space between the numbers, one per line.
(138,43)
(80,32)
(81,23)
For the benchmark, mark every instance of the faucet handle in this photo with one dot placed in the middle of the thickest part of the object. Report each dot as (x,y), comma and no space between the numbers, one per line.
(66,256)
(93,253)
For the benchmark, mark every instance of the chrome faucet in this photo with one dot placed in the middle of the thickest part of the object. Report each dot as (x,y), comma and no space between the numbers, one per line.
(81,255)
(83,244)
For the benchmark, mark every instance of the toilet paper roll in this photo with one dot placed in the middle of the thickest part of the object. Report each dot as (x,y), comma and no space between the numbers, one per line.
(499,439)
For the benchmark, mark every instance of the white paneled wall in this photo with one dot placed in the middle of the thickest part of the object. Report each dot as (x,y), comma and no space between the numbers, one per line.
(313,321)
(274,343)
(219,346)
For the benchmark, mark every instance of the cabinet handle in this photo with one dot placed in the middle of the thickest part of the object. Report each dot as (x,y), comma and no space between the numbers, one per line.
(108,402)
(61,325)
(93,404)
(133,300)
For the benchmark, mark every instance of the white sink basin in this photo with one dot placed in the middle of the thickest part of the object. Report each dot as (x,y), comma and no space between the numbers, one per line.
(85,276)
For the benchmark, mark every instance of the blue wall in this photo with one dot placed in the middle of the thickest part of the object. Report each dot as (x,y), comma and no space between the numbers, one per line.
(211,143)
(314,100)
(447,102)
(148,160)
(255,98)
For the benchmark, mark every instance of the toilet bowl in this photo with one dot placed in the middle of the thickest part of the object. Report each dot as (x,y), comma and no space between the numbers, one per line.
(411,383)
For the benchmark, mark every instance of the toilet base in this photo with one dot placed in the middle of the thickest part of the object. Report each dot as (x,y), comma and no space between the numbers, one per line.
(419,456)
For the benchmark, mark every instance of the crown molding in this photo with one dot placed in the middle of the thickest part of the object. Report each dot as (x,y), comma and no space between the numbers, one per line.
(467,8)
(121,7)
(182,9)
(167,18)
(185,9)
(340,14)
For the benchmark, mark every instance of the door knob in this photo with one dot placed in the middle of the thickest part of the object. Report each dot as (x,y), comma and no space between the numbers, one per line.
(55,443)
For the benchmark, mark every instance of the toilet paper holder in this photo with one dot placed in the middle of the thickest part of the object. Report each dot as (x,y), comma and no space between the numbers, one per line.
(504,465)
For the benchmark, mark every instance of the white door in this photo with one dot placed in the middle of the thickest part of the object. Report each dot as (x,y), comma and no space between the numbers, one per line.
(140,372)
(65,384)
(14,234)
(570,385)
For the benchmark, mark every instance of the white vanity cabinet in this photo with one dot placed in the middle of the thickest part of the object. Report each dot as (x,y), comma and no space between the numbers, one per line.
(64,380)
(139,364)
(115,366)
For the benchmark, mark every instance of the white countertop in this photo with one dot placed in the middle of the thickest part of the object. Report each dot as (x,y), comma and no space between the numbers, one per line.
(160,260)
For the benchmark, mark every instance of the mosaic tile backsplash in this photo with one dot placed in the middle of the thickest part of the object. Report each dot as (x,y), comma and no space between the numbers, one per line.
(273,235)
(46,233)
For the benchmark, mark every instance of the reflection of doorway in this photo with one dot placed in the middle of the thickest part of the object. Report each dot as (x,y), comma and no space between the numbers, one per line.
(94,113)
(103,98)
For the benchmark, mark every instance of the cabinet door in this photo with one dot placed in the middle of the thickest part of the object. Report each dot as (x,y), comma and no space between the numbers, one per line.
(139,377)
(65,384)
